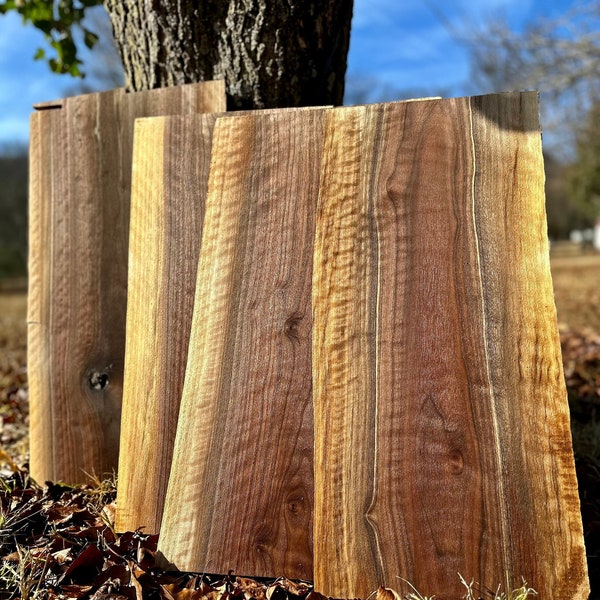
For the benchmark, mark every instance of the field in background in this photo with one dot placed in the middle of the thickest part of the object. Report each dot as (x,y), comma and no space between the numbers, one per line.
(576,279)
(14,408)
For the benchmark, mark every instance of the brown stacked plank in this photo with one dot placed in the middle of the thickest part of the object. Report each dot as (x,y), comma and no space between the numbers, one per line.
(167,211)
(81,153)
(373,387)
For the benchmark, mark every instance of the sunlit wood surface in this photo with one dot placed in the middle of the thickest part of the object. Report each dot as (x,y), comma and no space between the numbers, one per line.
(373,389)
(442,441)
(242,476)
(170,175)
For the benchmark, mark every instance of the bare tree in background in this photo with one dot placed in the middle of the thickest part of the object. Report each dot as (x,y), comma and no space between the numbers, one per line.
(560,57)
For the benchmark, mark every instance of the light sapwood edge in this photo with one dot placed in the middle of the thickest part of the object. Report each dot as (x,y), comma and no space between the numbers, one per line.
(147,205)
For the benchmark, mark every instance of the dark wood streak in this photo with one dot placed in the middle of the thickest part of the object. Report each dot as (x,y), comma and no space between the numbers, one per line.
(428,395)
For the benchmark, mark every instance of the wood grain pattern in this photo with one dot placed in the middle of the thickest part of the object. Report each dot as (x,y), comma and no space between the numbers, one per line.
(171,163)
(525,365)
(241,484)
(442,440)
(81,165)
(170,178)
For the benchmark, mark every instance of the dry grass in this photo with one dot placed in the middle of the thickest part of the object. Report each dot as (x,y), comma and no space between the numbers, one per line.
(13,328)
(577,290)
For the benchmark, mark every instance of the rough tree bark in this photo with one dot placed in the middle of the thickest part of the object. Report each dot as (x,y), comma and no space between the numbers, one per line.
(271,53)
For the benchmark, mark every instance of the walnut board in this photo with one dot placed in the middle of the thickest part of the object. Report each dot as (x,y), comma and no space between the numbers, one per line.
(442,442)
(395,255)
(171,161)
(80,156)
(241,484)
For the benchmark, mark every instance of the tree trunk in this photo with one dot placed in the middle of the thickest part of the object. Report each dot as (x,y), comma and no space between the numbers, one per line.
(271,54)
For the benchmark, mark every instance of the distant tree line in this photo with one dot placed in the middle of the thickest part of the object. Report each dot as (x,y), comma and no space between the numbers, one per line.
(13,213)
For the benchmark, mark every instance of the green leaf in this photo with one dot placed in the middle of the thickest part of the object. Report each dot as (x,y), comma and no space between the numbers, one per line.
(37,12)
(8,5)
(74,70)
(44,25)
(64,10)
(57,19)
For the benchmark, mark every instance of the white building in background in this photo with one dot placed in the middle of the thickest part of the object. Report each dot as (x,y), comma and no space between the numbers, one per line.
(587,238)
(576,236)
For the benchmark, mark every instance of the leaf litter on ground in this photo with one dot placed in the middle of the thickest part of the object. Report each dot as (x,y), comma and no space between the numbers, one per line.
(59,542)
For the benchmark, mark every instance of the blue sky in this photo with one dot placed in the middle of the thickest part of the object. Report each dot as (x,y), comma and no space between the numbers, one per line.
(398,48)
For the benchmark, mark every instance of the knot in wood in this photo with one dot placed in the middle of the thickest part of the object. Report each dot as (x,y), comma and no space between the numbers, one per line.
(295,505)
(456,462)
(97,380)
(290,327)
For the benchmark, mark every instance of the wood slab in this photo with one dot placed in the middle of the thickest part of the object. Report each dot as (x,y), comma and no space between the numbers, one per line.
(241,487)
(171,162)
(442,442)
(79,220)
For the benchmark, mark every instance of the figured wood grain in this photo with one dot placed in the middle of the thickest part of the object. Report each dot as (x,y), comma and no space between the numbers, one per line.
(241,486)
(79,194)
(442,440)
(525,365)
(171,163)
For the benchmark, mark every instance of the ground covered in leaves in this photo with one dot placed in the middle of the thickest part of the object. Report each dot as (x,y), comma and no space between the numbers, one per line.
(14,407)
(58,541)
